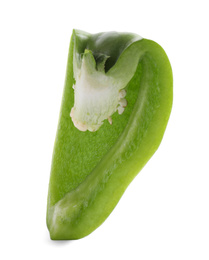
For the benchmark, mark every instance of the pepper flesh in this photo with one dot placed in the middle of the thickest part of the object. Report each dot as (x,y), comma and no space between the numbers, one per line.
(92,169)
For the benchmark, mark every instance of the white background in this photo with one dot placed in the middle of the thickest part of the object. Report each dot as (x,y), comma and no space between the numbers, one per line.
(164,214)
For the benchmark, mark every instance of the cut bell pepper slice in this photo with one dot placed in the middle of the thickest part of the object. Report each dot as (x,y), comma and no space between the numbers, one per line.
(116,104)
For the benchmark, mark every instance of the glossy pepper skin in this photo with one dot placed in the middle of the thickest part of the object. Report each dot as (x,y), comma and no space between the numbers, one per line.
(91,169)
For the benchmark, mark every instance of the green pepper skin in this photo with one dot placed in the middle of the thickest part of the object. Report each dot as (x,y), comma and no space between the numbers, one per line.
(91,170)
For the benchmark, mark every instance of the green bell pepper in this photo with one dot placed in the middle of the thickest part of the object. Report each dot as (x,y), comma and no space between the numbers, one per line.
(116,104)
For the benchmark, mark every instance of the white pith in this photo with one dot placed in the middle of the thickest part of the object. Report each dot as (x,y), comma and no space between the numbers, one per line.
(96,98)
